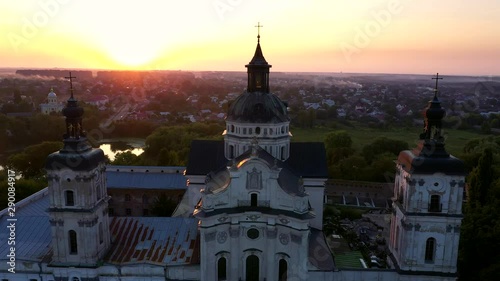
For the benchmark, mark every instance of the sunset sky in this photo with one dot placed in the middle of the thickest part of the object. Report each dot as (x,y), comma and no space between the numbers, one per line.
(381,36)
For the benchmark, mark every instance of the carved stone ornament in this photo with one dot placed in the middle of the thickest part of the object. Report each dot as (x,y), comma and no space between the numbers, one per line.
(284,221)
(222,219)
(254,179)
(253,217)
(221,237)
(284,239)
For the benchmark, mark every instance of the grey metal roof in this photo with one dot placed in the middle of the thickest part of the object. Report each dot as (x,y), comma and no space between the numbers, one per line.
(307,159)
(33,234)
(320,255)
(140,180)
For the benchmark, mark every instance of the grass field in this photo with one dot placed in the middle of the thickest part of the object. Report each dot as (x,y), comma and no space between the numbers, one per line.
(455,139)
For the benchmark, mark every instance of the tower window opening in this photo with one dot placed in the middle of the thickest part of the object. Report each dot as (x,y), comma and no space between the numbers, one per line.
(70,198)
(73,244)
(221,269)
(430,248)
(244,131)
(232,128)
(250,131)
(253,199)
(435,204)
(257,130)
(283,268)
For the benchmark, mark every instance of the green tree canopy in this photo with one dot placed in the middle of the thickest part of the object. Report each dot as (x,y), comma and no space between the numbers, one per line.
(31,162)
(338,146)
(383,145)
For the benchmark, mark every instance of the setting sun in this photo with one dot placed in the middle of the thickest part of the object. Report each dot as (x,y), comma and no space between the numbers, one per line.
(395,36)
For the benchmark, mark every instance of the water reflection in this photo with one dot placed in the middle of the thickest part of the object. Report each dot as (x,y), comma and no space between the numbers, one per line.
(112,148)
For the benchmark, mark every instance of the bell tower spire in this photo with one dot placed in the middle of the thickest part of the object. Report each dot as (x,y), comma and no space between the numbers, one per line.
(258,69)
(78,203)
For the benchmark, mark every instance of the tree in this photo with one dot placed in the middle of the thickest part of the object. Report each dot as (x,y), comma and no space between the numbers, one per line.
(480,180)
(126,158)
(479,257)
(31,162)
(383,145)
(338,146)
(24,188)
(163,206)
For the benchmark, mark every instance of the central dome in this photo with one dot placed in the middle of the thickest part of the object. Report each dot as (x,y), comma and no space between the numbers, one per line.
(258,107)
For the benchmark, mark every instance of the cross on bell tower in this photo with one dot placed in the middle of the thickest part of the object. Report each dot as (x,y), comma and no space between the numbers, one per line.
(437,78)
(258,31)
(258,69)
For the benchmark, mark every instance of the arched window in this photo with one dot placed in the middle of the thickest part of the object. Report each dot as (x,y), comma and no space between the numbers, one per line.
(253,199)
(75,279)
(70,198)
(221,269)
(101,233)
(73,244)
(435,203)
(232,128)
(430,249)
(283,269)
(252,268)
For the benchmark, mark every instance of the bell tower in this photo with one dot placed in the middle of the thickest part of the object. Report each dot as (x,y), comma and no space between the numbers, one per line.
(78,198)
(257,114)
(427,202)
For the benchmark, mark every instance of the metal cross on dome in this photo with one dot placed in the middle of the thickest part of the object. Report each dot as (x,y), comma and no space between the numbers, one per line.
(70,83)
(258,29)
(437,78)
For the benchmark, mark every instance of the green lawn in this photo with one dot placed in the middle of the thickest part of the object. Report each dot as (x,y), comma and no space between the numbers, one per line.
(455,139)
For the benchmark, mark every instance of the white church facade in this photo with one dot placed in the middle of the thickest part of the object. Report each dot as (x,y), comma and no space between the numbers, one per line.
(252,210)
(52,105)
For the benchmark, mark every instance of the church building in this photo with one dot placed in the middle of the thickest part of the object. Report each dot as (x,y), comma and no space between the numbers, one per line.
(52,104)
(252,210)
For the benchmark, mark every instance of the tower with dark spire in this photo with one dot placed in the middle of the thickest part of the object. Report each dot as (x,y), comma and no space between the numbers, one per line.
(427,202)
(257,114)
(258,70)
(78,198)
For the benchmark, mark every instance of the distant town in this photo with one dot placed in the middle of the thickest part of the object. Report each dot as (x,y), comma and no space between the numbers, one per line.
(175,96)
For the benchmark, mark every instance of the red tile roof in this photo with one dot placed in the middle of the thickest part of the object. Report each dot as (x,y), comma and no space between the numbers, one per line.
(156,240)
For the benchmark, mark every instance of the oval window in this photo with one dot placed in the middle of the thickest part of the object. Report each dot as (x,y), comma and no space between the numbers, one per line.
(253,233)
